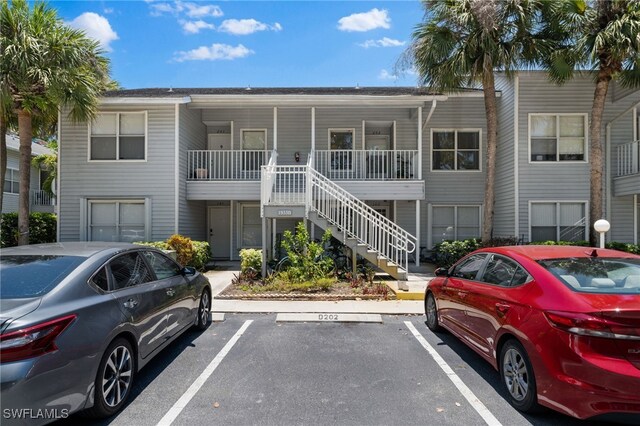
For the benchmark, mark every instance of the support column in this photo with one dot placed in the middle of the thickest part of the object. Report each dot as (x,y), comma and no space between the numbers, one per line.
(273,238)
(313,128)
(275,128)
(417,253)
(264,247)
(419,143)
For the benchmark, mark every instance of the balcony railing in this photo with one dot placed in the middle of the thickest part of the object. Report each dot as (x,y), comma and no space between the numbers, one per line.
(41,198)
(348,164)
(628,159)
(225,165)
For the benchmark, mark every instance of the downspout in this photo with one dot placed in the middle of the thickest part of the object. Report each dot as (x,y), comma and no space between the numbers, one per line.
(516,154)
(57,206)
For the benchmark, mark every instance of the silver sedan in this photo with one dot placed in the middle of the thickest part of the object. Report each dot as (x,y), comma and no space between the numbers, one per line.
(79,320)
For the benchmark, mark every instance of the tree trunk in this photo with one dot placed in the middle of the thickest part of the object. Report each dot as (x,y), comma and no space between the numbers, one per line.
(596,152)
(3,157)
(491,110)
(25,131)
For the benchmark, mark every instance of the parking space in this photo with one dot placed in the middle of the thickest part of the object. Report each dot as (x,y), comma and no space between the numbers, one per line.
(328,373)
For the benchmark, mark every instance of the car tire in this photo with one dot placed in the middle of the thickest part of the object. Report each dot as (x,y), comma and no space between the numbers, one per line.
(518,378)
(114,380)
(203,319)
(431,312)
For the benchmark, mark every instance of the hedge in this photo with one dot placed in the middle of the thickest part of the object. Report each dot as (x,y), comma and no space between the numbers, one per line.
(189,252)
(42,228)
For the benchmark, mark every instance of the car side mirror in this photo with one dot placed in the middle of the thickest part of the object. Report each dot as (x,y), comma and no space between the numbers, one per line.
(442,272)
(188,271)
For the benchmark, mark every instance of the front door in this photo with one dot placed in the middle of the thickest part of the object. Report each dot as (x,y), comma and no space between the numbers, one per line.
(220,231)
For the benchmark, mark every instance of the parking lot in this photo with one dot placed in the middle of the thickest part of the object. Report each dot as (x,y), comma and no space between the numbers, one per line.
(251,369)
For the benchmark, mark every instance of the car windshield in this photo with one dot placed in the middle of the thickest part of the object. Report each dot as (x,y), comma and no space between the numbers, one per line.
(597,274)
(31,276)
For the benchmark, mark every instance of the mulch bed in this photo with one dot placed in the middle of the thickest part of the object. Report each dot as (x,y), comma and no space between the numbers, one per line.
(339,291)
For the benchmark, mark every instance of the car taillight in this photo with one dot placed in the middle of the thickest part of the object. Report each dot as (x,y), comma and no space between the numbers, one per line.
(32,341)
(591,325)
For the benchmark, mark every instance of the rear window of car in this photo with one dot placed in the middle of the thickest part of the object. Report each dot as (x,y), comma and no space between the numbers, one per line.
(26,276)
(597,274)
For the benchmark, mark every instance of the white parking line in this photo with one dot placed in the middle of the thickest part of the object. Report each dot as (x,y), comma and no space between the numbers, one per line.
(464,390)
(199,382)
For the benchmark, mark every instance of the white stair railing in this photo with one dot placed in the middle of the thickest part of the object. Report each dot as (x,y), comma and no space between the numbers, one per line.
(266,181)
(358,220)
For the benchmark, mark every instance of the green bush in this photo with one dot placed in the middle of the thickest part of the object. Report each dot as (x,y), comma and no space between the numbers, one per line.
(447,253)
(306,260)
(250,259)
(626,247)
(161,245)
(580,243)
(42,228)
(201,254)
(200,250)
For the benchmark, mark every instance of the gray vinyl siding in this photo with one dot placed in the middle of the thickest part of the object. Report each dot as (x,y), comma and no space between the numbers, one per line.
(192,214)
(154,179)
(294,135)
(505,185)
(244,118)
(621,220)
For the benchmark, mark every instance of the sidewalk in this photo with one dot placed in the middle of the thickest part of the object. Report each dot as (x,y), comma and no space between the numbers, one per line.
(222,277)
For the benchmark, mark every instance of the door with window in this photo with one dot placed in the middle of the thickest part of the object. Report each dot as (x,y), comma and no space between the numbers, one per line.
(378,159)
(341,145)
(253,143)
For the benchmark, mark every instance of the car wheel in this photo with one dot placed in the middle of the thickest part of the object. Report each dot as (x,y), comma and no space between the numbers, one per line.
(431,311)
(114,380)
(202,322)
(518,377)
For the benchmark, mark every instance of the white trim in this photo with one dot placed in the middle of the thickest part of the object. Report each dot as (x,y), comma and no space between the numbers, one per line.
(636,218)
(134,200)
(176,155)
(557,203)
(455,149)
(313,128)
(231,230)
(241,223)
(117,135)
(144,100)
(362,139)
(243,101)
(516,155)
(558,115)
(417,249)
(58,177)
(266,135)
(419,149)
(275,129)
(341,129)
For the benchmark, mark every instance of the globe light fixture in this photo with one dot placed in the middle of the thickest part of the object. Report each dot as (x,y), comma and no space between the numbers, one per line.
(602,226)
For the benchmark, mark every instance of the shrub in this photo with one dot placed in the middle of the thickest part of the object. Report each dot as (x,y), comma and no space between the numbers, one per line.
(626,247)
(581,243)
(447,253)
(201,254)
(160,245)
(500,241)
(306,260)
(42,228)
(250,260)
(183,247)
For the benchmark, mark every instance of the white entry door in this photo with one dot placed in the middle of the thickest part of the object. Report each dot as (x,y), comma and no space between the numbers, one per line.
(219,232)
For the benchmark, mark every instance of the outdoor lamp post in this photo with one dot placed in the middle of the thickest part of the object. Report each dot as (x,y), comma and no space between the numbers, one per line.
(601,226)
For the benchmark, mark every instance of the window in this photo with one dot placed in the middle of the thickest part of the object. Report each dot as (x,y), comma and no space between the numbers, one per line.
(129,270)
(253,140)
(341,140)
(468,269)
(504,272)
(551,221)
(12,181)
(118,136)
(251,229)
(558,137)
(100,279)
(162,265)
(455,223)
(117,220)
(455,149)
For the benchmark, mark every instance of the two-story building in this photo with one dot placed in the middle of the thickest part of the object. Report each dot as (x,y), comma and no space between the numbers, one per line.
(388,169)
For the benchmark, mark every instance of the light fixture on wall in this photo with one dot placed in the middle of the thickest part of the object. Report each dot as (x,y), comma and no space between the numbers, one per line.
(296,156)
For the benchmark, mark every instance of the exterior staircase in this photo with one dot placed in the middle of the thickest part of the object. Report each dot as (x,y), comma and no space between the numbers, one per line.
(326,204)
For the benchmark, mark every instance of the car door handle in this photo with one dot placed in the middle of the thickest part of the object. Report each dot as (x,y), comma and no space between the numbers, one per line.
(462,294)
(130,304)
(171,292)
(502,309)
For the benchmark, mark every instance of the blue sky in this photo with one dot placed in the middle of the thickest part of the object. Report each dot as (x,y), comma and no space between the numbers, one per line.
(162,43)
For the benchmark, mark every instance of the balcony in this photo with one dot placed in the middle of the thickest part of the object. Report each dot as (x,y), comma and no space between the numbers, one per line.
(41,201)
(627,174)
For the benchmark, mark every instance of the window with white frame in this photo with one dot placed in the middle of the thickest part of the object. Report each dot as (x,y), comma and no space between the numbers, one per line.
(558,221)
(253,140)
(341,141)
(251,227)
(117,136)
(455,149)
(455,223)
(12,181)
(116,220)
(558,137)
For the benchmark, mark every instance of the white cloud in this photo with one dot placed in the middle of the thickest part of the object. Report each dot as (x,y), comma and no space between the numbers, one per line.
(108,10)
(246,26)
(386,75)
(214,52)
(97,27)
(158,9)
(194,27)
(375,18)
(383,42)
(202,10)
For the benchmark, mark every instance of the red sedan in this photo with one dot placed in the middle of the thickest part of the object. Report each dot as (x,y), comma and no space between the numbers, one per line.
(561,324)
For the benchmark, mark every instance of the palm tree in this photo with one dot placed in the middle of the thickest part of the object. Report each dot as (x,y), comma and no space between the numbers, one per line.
(604,36)
(461,43)
(45,65)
